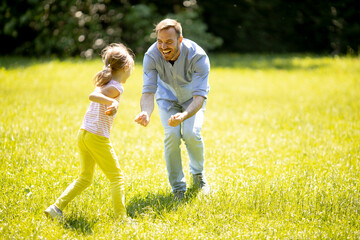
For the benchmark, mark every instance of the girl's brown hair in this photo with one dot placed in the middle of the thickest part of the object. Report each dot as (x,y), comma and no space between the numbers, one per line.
(115,57)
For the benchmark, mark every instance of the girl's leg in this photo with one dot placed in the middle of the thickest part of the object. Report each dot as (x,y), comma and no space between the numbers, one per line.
(87,167)
(103,152)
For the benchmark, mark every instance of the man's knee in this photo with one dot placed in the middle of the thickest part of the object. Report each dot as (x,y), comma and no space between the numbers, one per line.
(172,136)
(191,136)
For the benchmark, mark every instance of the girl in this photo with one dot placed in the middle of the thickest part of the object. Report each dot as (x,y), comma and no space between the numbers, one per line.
(93,137)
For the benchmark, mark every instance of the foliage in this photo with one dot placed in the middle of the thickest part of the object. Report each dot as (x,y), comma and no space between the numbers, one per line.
(285,26)
(72,28)
(69,27)
(282,153)
(192,26)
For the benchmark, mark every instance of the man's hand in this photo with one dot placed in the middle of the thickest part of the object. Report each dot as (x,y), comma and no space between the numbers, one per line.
(192,109)
(112,109)
(143,118)
(176,119)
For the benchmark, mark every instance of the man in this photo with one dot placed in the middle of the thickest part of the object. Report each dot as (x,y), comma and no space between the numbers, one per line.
(176,72)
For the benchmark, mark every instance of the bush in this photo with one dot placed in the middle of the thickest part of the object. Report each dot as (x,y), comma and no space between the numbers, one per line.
(196,30)
(72,28)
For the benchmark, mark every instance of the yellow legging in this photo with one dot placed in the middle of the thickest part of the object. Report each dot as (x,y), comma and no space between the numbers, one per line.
(96,149)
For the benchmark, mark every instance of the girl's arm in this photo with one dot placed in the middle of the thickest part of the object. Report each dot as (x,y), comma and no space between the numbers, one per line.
(106,95)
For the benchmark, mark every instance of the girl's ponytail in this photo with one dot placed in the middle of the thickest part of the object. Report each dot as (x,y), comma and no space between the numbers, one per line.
(116,57)
(103,77)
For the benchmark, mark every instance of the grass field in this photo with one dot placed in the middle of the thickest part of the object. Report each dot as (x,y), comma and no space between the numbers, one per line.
(282,137)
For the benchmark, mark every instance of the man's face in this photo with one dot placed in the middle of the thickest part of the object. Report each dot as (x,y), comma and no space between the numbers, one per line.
(169,44)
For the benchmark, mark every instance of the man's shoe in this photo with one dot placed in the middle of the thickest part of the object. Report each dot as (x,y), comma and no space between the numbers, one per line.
(179,196)
(201,183)
(53,212)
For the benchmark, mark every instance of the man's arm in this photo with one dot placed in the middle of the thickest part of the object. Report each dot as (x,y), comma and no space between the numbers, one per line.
(190,111)
(200,80)
(147,107)
(149,89)
(200,90)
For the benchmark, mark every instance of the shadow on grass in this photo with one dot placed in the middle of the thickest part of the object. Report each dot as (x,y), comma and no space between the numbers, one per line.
(157,203)
(79,223)
(153,204)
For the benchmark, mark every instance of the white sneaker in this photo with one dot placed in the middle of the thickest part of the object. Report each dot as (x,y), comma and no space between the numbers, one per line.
(53,212)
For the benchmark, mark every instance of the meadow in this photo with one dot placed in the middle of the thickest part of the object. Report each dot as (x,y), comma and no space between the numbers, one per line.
(282,137)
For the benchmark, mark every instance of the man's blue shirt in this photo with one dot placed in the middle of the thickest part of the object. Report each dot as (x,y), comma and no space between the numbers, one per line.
(176,83)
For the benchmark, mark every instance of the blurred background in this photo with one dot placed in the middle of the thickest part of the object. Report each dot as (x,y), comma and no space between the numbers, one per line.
(68,28)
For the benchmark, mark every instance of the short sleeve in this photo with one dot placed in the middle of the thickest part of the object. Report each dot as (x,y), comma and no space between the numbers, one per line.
(117,85)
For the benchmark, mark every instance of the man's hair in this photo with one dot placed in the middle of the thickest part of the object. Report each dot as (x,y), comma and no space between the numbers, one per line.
(169,23)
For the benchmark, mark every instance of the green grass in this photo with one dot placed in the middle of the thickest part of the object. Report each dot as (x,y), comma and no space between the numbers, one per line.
(282,135)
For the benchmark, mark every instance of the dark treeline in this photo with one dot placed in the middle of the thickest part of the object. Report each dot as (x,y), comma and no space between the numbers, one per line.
(74,27)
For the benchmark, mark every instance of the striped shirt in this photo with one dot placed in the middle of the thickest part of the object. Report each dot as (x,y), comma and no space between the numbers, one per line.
(95,120)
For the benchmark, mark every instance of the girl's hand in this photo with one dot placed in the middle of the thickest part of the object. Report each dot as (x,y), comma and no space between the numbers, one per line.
(112,109)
